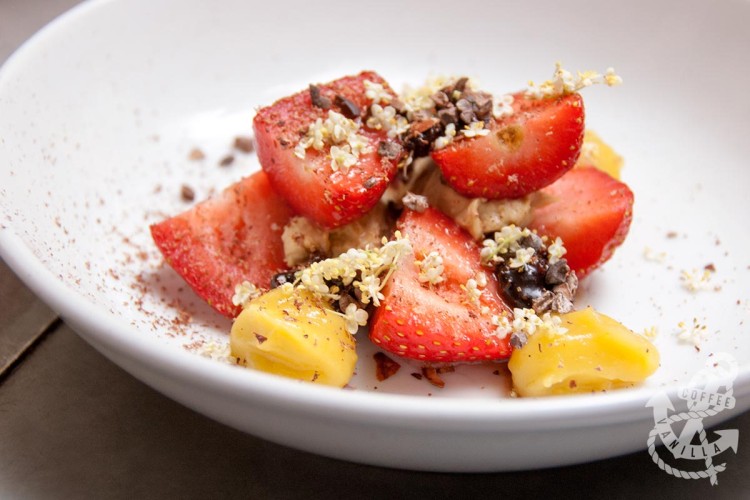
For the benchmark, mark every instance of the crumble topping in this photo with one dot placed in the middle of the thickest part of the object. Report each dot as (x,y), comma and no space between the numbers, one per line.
(696,280)
(302,238)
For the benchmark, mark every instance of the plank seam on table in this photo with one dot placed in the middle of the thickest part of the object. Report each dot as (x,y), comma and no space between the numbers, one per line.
(27,349)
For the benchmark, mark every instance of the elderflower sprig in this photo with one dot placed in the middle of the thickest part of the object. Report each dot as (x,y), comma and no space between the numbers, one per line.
(564,82)
(366,269)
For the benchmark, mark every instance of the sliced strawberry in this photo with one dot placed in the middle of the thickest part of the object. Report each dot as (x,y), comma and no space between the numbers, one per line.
(439,323)
(590,211)
(523,153)
(226,240)
(310,185)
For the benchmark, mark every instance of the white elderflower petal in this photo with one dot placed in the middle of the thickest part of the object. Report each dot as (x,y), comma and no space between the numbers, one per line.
(355,317)
(556,250)
(502,107)
(527,322)
(431,269)
(377,92)
(523,257)
(475,129)
(244,293)
(367,270)
(445,140)
(340,134)
(473,290)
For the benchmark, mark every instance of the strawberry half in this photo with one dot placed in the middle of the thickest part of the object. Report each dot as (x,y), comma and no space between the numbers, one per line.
(439,323)
(590,211)
(226,240)
(310,185)
(523,153)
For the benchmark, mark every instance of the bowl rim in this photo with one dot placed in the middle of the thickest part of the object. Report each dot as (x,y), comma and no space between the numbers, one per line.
(98,326)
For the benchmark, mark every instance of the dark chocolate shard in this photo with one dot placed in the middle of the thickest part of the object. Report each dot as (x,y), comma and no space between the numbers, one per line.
(319,100)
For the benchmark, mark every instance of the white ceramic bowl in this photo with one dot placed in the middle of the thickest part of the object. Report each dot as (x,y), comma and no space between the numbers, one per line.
(99,111)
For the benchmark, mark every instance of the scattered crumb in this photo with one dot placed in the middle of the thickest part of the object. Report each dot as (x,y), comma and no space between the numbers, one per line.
(218,351)
(651,332)
(432,376)
(710,267)
(693,333)
(417,376)
(385,367)
(196,154)
(187,193)
(226,161)
(244,144)
(652,256)
(672,235)
(696,280)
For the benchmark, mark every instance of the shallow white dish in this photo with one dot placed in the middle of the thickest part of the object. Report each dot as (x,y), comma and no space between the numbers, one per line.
(99,111)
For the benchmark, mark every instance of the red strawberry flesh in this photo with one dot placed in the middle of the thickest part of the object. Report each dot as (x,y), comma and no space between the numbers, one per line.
(590,211)
(439,323)
(521,154)
(226,240)
(310,185)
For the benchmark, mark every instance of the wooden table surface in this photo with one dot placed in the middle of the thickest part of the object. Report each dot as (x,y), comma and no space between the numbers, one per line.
(74,425)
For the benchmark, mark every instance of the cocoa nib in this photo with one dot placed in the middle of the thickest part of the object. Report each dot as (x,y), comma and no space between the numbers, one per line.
(398,105)
(448,116)
(319,100)
(390,150)
(421,134)
(557,272)
(226,161)
(347,107)
(538,284)
(385,367)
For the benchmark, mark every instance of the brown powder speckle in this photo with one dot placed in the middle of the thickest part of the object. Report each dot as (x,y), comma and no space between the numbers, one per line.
(226,161)
(187,193)
(196,154)
(244,144)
